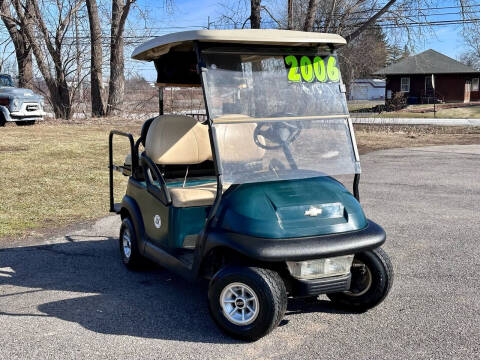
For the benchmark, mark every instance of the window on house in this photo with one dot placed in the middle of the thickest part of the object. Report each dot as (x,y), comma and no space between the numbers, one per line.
(475,84)
(405,84)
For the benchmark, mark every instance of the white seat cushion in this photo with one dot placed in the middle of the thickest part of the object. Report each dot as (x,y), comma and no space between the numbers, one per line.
(197,195)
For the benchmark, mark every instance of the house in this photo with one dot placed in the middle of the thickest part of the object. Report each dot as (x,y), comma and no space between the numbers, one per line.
(431,75)
(367,89)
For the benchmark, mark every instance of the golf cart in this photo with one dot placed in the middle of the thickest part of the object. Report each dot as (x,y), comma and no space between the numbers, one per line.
(245,196)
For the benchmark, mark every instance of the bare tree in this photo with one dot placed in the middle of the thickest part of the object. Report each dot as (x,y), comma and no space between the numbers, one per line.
(20,42)
(471,33)
(53,58)
(96,53)
(120,11)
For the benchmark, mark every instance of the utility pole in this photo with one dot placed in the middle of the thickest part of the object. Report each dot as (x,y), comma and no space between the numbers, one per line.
(434,97)
(290,15)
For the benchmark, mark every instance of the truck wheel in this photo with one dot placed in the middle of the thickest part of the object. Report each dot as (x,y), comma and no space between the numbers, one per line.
(247,302)
(129,246)
(25,123)
(372,277)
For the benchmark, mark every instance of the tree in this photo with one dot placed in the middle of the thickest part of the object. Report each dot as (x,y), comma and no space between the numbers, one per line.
(364,55)
(22,47)
(471,34)
(310,17)
(116,89)
(96,63)
(54,59)
(255,14)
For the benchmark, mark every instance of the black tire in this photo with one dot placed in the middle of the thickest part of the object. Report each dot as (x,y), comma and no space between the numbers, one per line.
(134,260)
(25,123)
(370,285)
(269,290)
(2,120)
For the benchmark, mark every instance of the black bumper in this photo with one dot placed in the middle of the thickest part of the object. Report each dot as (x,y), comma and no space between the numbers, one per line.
(298,249)
(320,286)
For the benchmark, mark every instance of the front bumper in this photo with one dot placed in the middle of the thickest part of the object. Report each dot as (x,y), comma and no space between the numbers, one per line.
(313,287)
(23,114)
(299,249)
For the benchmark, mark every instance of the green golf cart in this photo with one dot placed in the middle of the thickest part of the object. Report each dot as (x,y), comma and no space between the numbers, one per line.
(248,193)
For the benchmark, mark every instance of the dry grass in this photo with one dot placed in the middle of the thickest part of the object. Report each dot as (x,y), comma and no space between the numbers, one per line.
(377,137)
(55,174)
(426,111)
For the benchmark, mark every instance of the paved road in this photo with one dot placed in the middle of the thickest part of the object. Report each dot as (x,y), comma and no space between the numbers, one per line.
(367,119)
(71,298)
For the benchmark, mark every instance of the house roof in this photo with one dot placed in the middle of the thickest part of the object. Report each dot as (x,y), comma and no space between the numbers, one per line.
(161,45)
(377,83)
(427,62)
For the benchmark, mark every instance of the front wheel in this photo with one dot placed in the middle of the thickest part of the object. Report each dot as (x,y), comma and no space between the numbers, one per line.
(128,242)
(247,302)
(372,277)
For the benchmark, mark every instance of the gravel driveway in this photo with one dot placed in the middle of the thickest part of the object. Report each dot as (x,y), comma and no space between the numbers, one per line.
(70,297)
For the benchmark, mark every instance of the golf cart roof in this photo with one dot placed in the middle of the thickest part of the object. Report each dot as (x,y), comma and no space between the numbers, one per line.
(184,40)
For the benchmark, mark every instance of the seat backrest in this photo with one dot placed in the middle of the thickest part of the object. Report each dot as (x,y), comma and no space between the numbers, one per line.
(177,139)
(237,141)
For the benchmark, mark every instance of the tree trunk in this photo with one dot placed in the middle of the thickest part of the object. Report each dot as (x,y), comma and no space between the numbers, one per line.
(311,13)
(116,88)
(255,18)
(290,14)
(25,72)
(60,100)
(96,75)
(23,51)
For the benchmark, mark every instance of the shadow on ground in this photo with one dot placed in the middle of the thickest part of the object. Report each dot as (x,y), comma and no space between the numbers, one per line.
(101,295)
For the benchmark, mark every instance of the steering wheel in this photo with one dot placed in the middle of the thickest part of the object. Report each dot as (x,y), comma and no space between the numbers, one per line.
(281,133)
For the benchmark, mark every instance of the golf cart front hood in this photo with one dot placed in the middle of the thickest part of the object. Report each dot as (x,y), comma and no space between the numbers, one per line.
(293,208)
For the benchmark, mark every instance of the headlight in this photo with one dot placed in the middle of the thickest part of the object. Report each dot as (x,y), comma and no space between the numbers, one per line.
(15,104)
(319,268)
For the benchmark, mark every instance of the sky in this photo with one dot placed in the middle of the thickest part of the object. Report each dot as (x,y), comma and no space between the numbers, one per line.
(194,14)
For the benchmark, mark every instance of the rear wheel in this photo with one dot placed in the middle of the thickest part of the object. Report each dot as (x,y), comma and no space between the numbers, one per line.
(2,120)
(25,123)
(247,302)
(372,277)
(129,251)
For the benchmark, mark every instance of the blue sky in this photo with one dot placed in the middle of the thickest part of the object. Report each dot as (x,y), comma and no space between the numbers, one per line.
(192,14)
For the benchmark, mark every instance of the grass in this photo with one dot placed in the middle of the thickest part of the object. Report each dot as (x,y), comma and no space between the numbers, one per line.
(424,111)
(55,174)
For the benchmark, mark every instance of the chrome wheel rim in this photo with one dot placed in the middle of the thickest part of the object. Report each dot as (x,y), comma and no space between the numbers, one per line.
(239,304)
(365,281)
(126,244)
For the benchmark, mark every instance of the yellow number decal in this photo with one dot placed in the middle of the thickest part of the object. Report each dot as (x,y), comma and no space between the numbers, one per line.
(319,69)
(332,69)
(306,69)
(293,74)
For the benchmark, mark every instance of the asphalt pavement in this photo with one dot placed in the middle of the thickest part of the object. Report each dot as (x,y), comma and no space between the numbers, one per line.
(70,297)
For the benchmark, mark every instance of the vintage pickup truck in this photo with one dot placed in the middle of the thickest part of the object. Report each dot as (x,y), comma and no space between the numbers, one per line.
(22,106)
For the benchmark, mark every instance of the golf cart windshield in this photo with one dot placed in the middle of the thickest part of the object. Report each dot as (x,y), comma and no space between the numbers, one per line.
(278,114)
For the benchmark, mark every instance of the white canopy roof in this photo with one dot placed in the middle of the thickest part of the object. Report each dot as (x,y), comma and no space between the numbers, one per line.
(161,45)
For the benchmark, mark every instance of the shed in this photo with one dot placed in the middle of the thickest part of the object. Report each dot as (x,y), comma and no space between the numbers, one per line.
(367,89)
(431,75)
